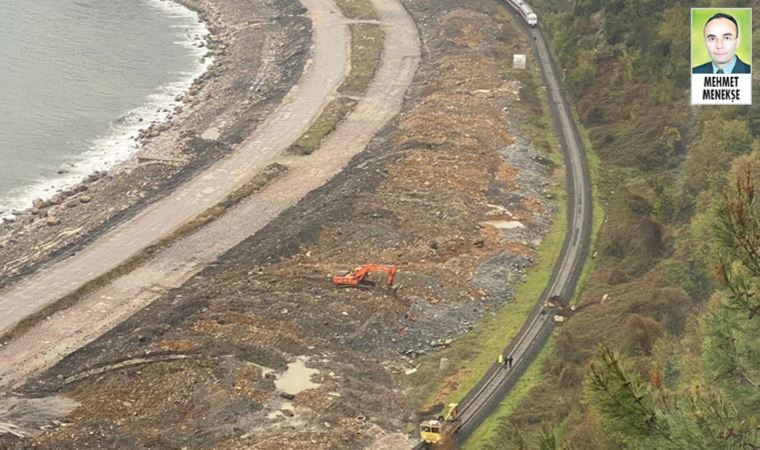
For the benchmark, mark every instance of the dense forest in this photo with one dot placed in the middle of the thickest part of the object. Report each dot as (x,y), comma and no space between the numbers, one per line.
(664,351)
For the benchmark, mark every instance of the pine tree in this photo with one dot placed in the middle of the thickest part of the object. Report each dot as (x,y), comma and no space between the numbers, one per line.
(643,415)
(731,355)
(739,234)
(624,401)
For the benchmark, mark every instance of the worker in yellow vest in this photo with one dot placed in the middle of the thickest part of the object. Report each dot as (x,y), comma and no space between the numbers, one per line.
(500,360)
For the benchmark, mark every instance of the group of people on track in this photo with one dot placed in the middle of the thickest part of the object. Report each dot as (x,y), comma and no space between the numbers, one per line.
(505,363)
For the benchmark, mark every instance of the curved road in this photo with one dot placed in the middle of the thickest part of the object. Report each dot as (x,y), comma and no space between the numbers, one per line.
(498,381)
(97,312)
(322,75)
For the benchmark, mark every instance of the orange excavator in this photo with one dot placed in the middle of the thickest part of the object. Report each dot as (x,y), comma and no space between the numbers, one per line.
(357,276)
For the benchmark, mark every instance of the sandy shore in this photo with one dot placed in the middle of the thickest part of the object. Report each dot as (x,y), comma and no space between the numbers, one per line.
(258,52)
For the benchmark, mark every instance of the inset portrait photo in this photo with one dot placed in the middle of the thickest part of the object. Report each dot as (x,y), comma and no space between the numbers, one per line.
(721,56)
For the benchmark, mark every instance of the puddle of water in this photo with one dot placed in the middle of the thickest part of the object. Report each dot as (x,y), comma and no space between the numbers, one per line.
(296,378)
(505,224)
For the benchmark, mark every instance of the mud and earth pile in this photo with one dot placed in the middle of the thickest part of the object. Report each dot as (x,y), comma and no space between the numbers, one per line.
(447,192)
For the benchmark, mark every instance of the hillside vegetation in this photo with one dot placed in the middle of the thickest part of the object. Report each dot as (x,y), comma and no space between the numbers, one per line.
(663,350)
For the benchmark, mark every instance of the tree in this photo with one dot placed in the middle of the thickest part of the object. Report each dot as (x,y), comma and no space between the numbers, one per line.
(739,233)
(644,415)
(622,398)
(730,353)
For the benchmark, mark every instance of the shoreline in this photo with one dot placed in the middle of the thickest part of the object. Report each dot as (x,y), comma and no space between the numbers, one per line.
(264,43)
(122,142)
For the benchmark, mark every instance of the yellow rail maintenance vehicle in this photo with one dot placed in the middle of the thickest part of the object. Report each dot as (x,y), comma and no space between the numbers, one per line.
(440,429)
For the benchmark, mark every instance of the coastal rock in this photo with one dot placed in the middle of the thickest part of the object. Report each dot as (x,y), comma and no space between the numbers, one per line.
(53,221)
(57,199)
(85,199)
(39,203)
(71,204)
(95,176)
(157,129)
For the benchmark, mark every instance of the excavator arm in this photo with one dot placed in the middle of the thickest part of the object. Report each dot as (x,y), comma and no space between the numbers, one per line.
(358,275)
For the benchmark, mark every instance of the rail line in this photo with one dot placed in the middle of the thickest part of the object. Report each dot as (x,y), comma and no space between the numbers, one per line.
(499,380)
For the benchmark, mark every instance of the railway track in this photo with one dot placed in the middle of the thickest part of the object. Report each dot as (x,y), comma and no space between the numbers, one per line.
(498,380)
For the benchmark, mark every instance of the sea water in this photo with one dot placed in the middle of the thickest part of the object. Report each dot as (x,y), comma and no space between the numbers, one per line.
(78,79)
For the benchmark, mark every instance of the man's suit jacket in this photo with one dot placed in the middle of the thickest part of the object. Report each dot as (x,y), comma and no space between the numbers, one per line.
(739,67)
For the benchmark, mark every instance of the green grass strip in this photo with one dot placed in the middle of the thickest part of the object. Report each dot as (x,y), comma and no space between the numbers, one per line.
(325,124)
(357,9)
(366,50)
(599,213)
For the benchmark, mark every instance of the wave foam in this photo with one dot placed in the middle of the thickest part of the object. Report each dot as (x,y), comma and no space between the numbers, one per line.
(119,144)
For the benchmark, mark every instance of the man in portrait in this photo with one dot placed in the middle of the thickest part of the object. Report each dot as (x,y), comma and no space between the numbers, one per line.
(721,34)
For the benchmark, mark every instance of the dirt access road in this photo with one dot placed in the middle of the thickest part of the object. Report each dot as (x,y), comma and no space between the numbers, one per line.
(98,311)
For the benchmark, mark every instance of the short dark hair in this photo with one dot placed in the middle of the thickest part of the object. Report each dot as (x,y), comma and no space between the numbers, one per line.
(724,16)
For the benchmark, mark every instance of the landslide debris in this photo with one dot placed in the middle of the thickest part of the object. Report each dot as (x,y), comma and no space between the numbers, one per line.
(419,197)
